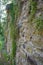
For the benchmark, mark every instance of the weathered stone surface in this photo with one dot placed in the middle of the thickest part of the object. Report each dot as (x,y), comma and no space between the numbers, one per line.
(30,43)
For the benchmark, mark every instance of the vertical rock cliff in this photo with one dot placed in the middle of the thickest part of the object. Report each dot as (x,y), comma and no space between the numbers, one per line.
(25,28)
(30,41)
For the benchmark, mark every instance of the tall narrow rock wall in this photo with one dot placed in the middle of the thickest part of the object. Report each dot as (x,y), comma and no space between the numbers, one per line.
(30,42)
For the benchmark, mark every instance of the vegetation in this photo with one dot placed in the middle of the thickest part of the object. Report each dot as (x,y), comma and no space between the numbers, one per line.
(13,28)
(14,12)
(38,21)
(33,8)
(39,24)
(1,36)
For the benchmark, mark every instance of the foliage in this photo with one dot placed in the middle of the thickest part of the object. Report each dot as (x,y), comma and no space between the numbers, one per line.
(1,36)
(1,29)
(0,45)
(13,29)
(33,8)
(5,56)
(39,23)
(14,48)
(13,12)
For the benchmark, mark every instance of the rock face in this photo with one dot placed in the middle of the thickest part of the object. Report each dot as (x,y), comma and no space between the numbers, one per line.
(30,43)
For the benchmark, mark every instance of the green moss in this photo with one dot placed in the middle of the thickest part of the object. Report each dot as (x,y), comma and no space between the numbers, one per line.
(39,24)
(33,8)
(38,21)
(14,12)
(13,28)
